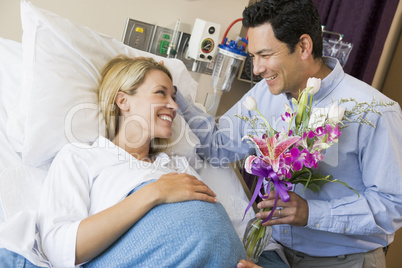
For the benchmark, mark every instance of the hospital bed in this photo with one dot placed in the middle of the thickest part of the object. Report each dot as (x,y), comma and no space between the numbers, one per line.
(48,90)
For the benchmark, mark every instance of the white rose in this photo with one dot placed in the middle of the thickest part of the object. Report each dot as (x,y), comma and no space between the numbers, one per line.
(313,85)
(335,114)
(250,103)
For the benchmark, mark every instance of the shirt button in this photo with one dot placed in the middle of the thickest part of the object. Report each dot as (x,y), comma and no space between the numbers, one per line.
(317,225)
(285,231)
(347,229)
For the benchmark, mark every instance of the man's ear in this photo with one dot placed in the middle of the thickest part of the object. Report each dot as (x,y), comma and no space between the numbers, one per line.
(122,101)
(306,46)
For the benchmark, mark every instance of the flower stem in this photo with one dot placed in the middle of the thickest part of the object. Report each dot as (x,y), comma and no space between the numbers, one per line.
(310,104)
(266,122)
(255,238)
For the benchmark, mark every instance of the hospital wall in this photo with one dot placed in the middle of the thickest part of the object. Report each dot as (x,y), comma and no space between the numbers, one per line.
(109,17)
(388,77)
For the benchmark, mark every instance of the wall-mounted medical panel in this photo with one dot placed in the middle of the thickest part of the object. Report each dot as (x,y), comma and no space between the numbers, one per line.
(138,34)
(161,40)
(156,40)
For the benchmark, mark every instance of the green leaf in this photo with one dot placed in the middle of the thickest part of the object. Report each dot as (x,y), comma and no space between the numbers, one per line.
(299,173)
(316,181)
(346,185)
(314,187)
(305,119)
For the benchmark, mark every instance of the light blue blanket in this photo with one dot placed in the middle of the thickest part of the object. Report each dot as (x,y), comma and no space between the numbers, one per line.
(186,234)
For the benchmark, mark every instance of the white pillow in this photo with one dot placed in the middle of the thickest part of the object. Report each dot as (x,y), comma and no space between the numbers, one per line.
(58,100)
(10,73)
(10,83)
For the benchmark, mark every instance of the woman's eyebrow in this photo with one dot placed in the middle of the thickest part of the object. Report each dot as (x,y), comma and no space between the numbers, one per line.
(167,89)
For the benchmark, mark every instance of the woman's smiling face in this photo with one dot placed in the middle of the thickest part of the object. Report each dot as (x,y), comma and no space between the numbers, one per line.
(152,107)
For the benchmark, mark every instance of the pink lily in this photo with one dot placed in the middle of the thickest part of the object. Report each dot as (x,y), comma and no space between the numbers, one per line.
(271,150)
(247,163)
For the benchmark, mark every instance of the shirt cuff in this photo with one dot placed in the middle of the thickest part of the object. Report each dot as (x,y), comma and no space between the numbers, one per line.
(318,214)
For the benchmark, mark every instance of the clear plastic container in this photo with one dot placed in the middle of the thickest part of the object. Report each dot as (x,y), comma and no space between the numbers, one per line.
(227,65)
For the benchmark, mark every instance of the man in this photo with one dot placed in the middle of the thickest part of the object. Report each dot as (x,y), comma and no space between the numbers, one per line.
(334,227)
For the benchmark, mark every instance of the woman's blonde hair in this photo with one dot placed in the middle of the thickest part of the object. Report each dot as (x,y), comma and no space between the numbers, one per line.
(126,74)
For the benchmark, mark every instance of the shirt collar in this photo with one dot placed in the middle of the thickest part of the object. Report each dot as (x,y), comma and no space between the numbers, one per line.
(122,154)
(329,83)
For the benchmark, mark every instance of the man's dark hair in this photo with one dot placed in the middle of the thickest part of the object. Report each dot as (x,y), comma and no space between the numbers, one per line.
(289,20)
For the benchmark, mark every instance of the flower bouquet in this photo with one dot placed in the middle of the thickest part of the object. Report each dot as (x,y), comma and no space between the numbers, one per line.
(289,156)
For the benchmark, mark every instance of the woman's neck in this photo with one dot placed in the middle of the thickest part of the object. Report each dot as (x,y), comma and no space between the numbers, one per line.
(138,150)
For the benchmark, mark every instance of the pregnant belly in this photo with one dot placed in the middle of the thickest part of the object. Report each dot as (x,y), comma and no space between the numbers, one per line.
(185,234)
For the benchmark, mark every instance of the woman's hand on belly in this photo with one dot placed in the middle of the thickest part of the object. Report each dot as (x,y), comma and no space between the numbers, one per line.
(174,187)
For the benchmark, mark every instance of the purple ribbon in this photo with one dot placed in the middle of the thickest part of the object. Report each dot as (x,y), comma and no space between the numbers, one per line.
(265,171)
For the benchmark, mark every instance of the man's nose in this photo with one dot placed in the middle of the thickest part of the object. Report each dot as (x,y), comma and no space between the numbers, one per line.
(258,67)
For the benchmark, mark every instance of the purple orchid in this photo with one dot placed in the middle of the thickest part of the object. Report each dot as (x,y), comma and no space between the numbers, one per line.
(318,132)
(312,159)
(297,158)
(288,116)
(333,134)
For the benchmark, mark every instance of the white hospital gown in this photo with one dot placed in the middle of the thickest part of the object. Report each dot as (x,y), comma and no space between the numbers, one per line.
(84,180)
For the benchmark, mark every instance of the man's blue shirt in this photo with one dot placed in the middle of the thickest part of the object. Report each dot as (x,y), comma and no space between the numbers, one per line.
(368,159)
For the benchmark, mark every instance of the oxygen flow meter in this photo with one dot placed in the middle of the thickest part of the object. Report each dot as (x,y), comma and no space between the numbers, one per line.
(203,44)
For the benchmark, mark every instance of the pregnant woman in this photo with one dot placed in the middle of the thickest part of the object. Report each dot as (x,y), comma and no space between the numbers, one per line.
(121,201)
